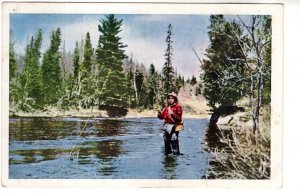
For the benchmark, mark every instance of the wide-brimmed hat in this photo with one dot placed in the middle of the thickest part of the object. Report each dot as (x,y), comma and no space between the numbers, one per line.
(173,95)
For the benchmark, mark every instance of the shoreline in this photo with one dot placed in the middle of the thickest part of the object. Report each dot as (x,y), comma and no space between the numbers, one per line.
(132,113)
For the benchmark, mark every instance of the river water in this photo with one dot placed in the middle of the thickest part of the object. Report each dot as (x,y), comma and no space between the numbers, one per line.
(103,148)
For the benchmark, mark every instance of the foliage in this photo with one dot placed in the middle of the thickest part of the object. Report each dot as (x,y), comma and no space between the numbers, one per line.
(224,78)
(30,79)
(51,71)
(110,55)
(76,62)
(153,86)
(168,74)
(257,57)
(88,77)
(267,34)
(242,156)
(13,66)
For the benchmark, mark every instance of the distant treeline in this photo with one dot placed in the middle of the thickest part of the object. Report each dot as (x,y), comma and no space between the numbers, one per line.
(87,77)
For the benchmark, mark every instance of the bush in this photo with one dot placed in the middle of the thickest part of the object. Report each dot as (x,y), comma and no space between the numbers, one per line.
(245,156)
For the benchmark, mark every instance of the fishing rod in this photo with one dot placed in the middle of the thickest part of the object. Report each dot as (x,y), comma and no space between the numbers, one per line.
(198,57)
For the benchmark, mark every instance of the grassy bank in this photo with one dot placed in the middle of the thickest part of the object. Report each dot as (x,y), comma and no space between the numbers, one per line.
(243,155)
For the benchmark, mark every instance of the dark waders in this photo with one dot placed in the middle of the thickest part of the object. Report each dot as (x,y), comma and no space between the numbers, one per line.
(171,142)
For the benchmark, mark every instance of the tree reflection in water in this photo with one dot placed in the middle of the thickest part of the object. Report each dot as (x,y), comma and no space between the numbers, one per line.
(105,151)
(212,141)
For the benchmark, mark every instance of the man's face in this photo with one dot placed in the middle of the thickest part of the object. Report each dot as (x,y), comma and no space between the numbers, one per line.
(171,100)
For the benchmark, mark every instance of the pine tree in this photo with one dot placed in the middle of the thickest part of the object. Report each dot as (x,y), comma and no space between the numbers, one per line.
(63,62)
(76,63)
(13,66)
(111,82)
(139,81)
(51,72)
(168,70)
(223,77)
(87,58)
(267,35)
(130,89)
(31,78)
(13,74)
(153,86)
(87,80)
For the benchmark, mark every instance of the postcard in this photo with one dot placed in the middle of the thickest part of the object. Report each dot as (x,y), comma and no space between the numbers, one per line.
(142,94)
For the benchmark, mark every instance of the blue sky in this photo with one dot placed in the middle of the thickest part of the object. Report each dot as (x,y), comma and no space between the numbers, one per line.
(144,34)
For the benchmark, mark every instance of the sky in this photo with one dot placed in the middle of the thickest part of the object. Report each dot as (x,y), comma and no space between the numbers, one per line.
(143,34)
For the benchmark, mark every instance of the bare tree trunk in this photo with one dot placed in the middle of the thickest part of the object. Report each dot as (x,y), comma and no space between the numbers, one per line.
(135,87)
(251,102)
(259,96)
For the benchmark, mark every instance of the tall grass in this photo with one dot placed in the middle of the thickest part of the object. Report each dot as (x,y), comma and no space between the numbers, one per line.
(244,155)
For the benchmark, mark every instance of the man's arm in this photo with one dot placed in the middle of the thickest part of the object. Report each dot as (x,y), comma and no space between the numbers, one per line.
(177,114)
(160,114)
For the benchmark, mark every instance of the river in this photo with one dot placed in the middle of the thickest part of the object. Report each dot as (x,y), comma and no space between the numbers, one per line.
(103,148)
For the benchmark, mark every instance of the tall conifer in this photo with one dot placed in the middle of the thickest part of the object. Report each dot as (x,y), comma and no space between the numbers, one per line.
(110,55)
(168,70)
(51,71)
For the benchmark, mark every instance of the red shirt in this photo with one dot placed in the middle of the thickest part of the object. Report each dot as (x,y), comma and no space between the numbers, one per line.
(176,116)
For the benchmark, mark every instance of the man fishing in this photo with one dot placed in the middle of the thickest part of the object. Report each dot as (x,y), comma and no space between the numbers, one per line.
(172,116)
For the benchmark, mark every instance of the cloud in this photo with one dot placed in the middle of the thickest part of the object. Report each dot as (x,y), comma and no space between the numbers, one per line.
(77,32)
(143,49)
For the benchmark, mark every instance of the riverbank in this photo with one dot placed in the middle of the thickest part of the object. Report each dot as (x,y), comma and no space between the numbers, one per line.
(239,153)
(88,113)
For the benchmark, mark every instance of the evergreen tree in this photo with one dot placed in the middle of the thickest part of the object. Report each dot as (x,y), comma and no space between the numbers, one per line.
(13,66)
(267,36)
(139,81)
(144,93)
(31,78)
(88,75)
(64,62)
(223,77)
(76,63)
(87,57)
(168,70)
(153,86)
(51,72)
(13,74)
(111,82)
(130,89)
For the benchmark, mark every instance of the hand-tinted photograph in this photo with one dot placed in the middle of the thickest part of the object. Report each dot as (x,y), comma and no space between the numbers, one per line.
(140,96)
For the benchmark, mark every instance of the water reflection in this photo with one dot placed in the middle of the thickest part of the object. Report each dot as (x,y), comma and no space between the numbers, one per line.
(108,128)
(32,130)
(213,133)
(212,136)
(169,167)
(32,156)
(26,129)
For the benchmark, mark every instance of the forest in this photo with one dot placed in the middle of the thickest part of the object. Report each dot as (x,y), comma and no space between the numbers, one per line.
(237,64)
(103,76)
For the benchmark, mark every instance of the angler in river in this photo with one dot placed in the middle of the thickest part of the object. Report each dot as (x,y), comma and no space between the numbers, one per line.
(172,116)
